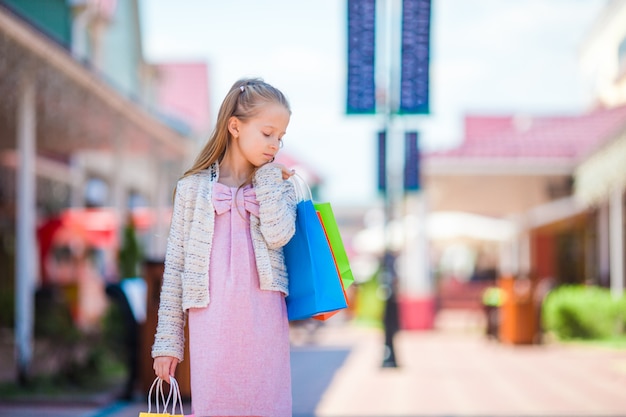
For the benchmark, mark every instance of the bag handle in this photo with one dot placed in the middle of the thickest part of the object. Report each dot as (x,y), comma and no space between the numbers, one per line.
(177,397)
(158,384)
(303,191)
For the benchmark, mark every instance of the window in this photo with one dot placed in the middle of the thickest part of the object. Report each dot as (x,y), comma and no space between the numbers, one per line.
(96,192)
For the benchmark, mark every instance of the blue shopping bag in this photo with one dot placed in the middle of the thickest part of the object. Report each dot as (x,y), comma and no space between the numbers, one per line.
(314,283)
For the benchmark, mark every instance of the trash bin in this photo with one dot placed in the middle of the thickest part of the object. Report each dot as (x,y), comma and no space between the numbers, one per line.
(153,274)
(518,321)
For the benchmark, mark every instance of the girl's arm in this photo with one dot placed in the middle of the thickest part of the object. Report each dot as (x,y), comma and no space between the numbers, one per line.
(169,338)
(277,204)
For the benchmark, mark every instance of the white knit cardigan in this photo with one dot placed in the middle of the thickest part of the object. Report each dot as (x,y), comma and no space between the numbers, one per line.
(186,275)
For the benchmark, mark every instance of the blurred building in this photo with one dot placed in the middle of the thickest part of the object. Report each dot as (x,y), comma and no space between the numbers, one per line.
(182,95)
(79,129)
(520,170)
(600,179)
(541,196)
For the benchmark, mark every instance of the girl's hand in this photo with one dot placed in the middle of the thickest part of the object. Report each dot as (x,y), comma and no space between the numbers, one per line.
(164,366)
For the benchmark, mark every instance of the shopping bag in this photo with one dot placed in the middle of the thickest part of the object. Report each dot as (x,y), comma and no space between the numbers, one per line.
(326,316)
(329,223)
(314,283)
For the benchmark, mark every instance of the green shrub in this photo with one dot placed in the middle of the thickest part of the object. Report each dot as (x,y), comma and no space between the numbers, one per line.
(583,312)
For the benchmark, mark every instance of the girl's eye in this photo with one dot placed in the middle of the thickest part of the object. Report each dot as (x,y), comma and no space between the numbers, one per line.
(280,142)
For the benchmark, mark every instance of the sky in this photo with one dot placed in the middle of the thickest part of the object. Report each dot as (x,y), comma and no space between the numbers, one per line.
(489,57)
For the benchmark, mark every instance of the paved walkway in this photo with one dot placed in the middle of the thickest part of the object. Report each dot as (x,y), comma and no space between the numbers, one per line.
(454,371)
(463,374)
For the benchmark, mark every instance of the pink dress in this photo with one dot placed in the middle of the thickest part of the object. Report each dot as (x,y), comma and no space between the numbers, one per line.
(239,344)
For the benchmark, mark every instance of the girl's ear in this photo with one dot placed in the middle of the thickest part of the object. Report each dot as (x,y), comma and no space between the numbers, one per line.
(233,126)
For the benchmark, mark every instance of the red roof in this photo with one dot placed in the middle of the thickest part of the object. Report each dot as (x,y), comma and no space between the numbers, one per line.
(537,137)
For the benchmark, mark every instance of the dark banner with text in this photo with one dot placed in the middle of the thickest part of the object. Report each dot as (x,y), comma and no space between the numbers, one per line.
(361,86)
(411,162)
(414,72)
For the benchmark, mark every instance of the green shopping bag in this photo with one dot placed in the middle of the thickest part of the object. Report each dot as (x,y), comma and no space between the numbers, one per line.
(336,243)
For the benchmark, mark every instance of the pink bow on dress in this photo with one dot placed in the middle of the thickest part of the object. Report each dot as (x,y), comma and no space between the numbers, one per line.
(223,199)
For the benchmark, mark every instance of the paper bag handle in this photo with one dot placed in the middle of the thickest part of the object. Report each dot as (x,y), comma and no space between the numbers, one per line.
(158,383)
(303,191)
(177,397)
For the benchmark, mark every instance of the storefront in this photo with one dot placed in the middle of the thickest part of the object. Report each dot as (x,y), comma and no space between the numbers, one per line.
(60,124)
(600,181)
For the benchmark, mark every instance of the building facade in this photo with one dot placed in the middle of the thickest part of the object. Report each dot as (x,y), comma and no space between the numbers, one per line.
(600,179)
(73,115)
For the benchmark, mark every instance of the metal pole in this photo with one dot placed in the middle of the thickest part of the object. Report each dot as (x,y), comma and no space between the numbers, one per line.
(25,224)
(391,319)
(389,274)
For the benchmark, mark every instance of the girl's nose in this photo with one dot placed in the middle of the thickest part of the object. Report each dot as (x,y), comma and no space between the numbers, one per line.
(276,144)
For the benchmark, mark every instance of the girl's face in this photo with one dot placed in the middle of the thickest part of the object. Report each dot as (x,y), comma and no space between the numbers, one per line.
(259,139)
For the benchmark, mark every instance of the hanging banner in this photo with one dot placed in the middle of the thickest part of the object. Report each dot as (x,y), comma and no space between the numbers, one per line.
(382,161)
(411,162)
(361,87)
(414,76)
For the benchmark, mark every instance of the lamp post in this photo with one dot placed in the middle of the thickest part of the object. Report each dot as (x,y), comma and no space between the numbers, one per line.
(402,75)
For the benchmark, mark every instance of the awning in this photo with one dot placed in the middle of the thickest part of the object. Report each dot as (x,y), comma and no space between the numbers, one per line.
(76,110)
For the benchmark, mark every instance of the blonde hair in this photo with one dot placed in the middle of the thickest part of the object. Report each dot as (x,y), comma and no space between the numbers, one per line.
(243,101)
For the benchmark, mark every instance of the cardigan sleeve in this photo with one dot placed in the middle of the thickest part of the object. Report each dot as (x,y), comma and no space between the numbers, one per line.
(277,206)
(169,338)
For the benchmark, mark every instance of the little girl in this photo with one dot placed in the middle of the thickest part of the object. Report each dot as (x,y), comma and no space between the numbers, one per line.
(234,210)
